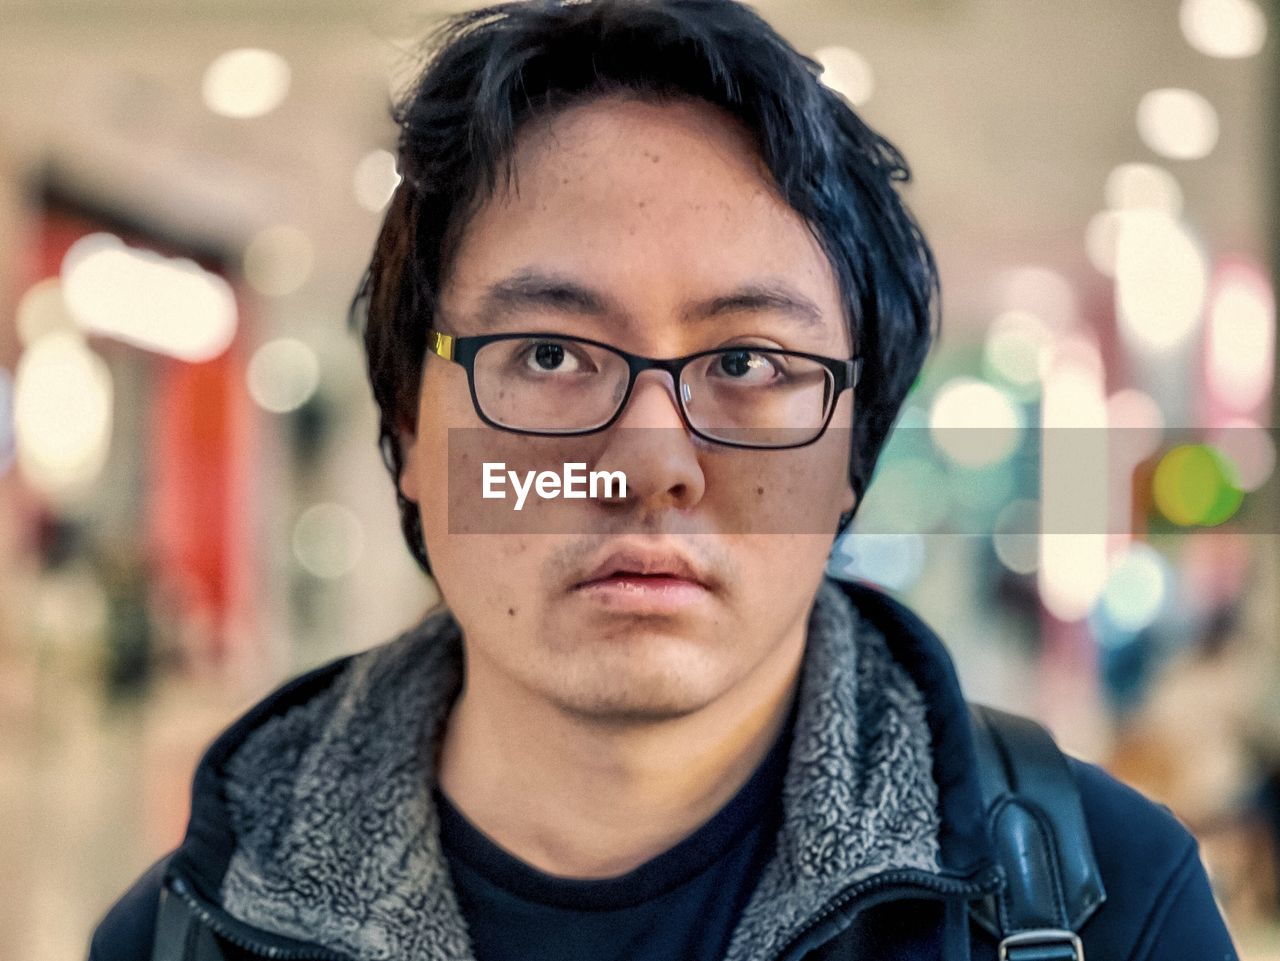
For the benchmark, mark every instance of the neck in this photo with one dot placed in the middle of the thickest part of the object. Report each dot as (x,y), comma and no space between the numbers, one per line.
(587,798)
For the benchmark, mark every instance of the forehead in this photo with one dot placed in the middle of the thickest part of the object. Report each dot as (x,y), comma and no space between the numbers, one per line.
(652,203)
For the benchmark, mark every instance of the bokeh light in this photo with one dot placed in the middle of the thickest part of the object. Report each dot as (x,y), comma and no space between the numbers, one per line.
(1016,537)
(974,423)
(168,305)
(1136,423)
(1143,186)
(1194,484)
(894,561)
(847,73)
(1137,587)
(1224,28)
(246,82)
(1251,450)
(1017,349)
(62,409)
(1101,236)
(1178,124)
(375,180)
(328,540)
(278,260)
(1074,497)
(1040,290)
(43,310)
(1161,280)
(1241,342)
(283,374)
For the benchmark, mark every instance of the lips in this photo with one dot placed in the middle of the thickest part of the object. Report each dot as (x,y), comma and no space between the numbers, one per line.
(637,563)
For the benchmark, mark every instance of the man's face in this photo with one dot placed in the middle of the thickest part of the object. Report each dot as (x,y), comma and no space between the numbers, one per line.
(650,208)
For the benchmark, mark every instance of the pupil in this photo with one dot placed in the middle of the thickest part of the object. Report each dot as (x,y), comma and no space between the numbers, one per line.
(548,356)
(736,363)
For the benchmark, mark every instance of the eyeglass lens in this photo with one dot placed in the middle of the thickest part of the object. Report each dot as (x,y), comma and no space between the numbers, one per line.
(740,394)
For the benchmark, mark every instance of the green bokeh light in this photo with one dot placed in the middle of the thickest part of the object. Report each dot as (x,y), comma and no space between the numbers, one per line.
(1195,484)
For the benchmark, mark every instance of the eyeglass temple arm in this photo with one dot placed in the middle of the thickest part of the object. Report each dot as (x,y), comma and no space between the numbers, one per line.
(852,371)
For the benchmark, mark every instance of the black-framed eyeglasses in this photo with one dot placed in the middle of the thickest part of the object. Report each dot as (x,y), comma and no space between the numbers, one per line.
(549,384)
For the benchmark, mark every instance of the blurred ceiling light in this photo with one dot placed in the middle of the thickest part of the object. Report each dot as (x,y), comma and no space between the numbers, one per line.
(1161,280)
(376,179)
(1251,448)
(328,540)
(1016,537)
(847,73)
(278,260)
(246,82)
(8,442)
(974,423)
(171,306)
(1224,28)
(1241,341)
(1017,347)
(1179,124)
(1136,588)
(283,374)
(43,310)
(62,415)
(1041,290)
(1141,186)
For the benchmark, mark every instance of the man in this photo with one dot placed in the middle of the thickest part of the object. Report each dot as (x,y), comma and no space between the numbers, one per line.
(642,237)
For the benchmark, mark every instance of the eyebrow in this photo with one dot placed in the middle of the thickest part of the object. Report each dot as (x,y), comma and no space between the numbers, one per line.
(531,289)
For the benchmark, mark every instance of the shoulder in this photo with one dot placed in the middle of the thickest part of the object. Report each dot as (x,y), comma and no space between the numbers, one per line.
(127,930)
(292,715)
(1159,902)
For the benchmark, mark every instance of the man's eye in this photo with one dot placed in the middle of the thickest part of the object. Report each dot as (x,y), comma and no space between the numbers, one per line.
(744,365)
(548,356)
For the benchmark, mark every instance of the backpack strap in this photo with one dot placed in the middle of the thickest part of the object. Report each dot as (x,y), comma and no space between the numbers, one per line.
(1037,827)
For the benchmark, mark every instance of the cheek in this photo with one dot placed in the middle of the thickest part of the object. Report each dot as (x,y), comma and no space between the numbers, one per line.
(453,444)
(464,565)
(801,491)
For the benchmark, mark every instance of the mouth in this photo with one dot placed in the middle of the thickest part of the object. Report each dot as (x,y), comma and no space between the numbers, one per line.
(638,581)
(640,568)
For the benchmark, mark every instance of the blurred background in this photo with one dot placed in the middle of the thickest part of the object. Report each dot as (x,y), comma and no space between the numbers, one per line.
(192,506)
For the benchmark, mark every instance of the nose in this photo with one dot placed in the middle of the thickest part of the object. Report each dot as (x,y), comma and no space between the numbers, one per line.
(650,445)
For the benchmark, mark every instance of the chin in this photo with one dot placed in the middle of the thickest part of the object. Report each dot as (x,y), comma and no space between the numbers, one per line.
(629,692)
(629,707)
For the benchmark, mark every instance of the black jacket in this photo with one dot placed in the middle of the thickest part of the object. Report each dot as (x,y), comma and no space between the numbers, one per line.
(1158,906)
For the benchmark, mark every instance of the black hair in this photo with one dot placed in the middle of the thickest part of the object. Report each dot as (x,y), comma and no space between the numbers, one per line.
(491,70)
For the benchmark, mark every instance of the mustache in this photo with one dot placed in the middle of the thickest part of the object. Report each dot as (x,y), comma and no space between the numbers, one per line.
(566,562)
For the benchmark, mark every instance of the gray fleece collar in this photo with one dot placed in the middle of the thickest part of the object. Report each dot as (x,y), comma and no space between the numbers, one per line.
(337,835)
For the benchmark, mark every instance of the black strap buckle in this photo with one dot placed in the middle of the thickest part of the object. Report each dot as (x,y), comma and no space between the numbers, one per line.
(1042,944)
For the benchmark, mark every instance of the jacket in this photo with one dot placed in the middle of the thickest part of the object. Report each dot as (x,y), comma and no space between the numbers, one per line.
(883,850)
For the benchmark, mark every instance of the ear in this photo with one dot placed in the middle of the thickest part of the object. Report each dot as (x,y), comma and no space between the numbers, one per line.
(410,480)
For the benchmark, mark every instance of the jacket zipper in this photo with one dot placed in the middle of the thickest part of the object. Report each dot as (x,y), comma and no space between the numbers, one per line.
(907,880)
(211,918)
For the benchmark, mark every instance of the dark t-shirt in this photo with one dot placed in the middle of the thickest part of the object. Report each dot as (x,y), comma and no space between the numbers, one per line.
(679,906)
